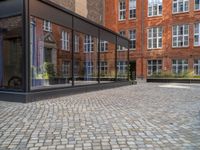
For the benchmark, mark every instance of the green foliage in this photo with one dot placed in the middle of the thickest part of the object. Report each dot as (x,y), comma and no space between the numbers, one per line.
(166,74)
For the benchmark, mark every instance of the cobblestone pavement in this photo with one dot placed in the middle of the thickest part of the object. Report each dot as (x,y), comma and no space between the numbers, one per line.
(143,116)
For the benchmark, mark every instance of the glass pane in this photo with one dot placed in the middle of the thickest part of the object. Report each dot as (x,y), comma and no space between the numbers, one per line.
(51,55)
(107,63)
(11,52)
(85,61)
(122,64)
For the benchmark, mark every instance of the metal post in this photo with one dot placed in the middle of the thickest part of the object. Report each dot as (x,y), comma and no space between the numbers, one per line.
(73,50)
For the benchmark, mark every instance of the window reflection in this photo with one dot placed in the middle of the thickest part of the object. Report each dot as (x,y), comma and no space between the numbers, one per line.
(11,53)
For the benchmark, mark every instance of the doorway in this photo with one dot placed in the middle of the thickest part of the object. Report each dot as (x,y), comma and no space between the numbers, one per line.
(132,70)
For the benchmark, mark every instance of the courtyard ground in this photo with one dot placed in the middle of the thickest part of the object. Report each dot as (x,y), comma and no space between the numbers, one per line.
(142,116)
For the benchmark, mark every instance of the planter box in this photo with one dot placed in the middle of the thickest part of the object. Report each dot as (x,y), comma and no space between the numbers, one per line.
(173,80)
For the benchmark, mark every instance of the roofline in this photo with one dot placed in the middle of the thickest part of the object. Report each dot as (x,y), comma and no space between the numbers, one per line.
(82,18)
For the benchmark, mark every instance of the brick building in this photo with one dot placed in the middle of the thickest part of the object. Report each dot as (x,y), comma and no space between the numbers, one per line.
(165,34)
(91,9)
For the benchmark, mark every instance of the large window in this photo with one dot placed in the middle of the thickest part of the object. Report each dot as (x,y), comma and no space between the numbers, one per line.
(154,8)
(47,26)
(103,68)
(132,36)
(181,36)
(179,66)
(65,41)
(122,68)
(11,53)
(122,10)
(180,6)
(197,5)
(122,33)
(77,43)
(103,46)
(155,38)
(197,67)
(154,67)
(66,69)
(197,34)
(88,67)
(88,44)
(132,9)
(50,65)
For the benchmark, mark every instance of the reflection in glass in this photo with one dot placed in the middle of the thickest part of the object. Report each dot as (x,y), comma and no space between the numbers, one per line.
(11,61)
(50,54)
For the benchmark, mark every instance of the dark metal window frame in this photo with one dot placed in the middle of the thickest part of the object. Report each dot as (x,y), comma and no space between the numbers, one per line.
(46,10)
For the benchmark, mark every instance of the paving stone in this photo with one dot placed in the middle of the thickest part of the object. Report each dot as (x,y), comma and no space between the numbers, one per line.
(143,116)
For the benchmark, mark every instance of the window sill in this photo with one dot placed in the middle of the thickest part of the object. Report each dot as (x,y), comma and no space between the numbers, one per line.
(156,16)
(132,19)
(185,47)
(122,20)
(151,49)
(180,13)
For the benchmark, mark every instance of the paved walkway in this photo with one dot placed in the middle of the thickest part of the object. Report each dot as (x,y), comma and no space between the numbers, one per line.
(145,116)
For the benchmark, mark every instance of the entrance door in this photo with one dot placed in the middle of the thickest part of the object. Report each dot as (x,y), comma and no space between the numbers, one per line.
(132,70)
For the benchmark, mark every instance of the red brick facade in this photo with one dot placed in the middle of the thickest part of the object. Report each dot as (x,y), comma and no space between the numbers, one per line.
(142,23)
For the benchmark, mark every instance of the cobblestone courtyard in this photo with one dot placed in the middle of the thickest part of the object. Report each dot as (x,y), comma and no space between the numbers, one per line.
(143,116)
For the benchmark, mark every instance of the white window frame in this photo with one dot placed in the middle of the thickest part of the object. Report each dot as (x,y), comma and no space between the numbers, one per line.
(88,67)
(122,10)
(47,26)
(197,34)
(158,5)
(132,37)
(151,65)
(88,44)
(151,38)
(184,63)
(66,68)
(195,8)
(197,65)
(103,46)
(132,9)
(123,71)
(103,68)
(77,43)
(177,35)
(65,41)
(177,2)
(121,48)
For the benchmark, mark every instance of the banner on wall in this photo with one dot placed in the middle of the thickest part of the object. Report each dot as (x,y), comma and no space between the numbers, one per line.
(1,59)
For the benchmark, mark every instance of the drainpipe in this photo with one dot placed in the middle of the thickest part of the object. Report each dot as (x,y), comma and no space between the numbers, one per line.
(142,41)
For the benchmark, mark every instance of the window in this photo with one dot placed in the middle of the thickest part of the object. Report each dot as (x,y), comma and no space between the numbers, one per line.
(180,6)
(179,66)
(77,43)
(122,10)
(197,67)
(154,67)
(76,68)
(121,68)
(65,41)
(154,8)
(132,9)
(132,36)
(197,34)
(103,46)
(66,68)
(47,26)
(181,36)
(88,66)
(155,38)
(103,68)
(122,33)
(88,44)
(197,5)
